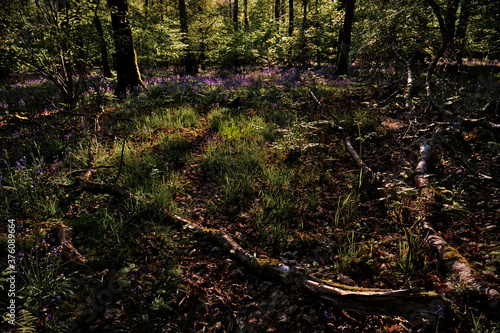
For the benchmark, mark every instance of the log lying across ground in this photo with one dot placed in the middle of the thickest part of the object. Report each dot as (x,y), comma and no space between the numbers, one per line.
(409,82)
(455,263)
(448,255)
(410,303)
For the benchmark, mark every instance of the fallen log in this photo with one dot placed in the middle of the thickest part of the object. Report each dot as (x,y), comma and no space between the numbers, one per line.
(412,303)
(451,259)
(409,81)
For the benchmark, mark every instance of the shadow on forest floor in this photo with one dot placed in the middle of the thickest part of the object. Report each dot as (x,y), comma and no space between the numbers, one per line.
(244,153)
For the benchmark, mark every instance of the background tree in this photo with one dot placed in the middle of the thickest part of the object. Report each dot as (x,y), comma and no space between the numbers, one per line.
(127,68)
(106,68)
(54,39)
(345,45)
(235,14)
(188,57)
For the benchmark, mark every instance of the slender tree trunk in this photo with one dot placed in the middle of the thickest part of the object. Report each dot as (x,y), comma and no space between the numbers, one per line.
(290,17)
(277,10)
(245,12)
(304,16)
(125,57)
(345,45)
(106,69)
(447,23)
(188,59)
(235,14)
(463,21)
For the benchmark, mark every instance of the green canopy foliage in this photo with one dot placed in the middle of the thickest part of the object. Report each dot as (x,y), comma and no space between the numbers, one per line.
(59,39)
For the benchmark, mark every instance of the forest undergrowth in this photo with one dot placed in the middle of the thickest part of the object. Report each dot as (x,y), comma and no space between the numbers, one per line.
(248,151)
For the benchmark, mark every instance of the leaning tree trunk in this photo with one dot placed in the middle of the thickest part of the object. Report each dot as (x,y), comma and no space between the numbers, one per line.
(125,57)
(345,45)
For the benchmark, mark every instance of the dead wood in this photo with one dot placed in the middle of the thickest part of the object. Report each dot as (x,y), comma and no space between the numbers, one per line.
(455,263)
(458,120)
(64,237)
(409,81)
(339,129)
(402,302)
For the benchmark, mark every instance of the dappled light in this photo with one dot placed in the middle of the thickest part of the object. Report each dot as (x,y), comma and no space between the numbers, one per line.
(224,177)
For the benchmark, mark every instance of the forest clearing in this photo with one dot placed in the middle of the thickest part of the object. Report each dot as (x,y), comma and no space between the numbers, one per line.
(230,189)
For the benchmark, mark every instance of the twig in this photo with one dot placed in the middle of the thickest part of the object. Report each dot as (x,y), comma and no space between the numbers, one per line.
(121,161)
(315,99)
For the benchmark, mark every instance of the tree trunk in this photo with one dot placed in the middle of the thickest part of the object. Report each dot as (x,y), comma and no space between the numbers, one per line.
(277,12)
(345,45)
(290,17)
(125,57)
(245,12)
(235,14)
(304,16)
(188,59)
(106,69)
(447,29)
(463,21)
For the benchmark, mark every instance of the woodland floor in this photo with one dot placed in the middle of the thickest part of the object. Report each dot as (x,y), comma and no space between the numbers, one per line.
(278,184)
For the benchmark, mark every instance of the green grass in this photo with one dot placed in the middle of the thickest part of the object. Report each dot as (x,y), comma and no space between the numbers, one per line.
(289,186)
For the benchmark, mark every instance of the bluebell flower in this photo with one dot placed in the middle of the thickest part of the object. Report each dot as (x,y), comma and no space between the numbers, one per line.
(439,312)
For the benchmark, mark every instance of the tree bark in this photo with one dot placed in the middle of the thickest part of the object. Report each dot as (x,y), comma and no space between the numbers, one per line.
(304,14)
(345,46)
(235,14)
(463,21)
(447,23)
(188,59)
(125,57)
(290,17)
(245,13)
(106,69)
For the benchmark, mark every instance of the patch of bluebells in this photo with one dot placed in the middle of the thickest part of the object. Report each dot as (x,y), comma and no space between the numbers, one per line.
(214,138)
(27,90)
(259,84)
(42,260)
(50,309)
(325,317)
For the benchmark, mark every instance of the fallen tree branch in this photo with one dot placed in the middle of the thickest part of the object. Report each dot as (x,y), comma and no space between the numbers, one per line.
(448,256)
(64,237)
(411,303)
(409,82)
